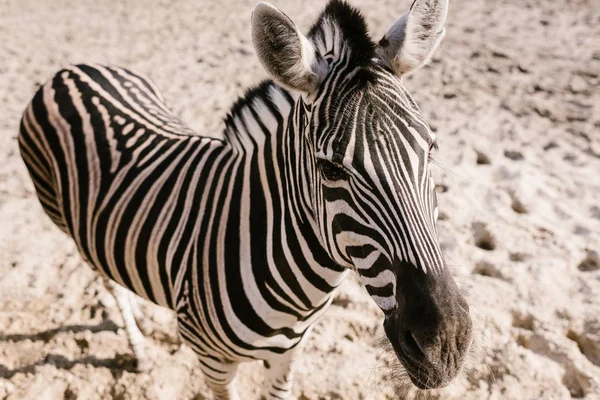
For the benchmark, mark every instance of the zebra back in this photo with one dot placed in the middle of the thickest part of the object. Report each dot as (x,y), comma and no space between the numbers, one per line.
(94,139)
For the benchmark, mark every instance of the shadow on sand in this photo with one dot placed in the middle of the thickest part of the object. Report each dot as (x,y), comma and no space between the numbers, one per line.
(122,362)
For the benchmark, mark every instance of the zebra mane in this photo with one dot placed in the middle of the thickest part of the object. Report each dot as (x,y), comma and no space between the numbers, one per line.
(260,90)
(344,24)
(263,92)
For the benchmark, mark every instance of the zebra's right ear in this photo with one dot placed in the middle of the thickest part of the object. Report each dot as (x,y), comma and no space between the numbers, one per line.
(284,52)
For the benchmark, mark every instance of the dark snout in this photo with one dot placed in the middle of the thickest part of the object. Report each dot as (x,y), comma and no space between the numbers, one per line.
(430,330)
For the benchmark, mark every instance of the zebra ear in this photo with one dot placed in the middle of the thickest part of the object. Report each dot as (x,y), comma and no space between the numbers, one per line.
(411,41)
(283,51)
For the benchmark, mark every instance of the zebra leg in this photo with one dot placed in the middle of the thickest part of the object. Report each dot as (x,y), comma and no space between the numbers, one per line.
(141,320)
(220,377)
(135,337)
(279,376)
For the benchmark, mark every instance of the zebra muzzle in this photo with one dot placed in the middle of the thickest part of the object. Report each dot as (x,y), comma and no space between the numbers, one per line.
(430,330)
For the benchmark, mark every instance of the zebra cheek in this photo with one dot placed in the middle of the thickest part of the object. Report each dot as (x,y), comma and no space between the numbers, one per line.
(381,286)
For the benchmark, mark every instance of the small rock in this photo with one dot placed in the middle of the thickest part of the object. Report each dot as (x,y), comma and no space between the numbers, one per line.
(513,155)
(550,145)
(587,342)
(518,206)
(578,84)
(483,238)
(499,54)
(518,257)
(591,262)
(486,268)
(441,188)
(482,158)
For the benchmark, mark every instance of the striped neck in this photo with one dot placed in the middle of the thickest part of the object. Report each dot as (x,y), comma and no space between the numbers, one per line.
(267,126)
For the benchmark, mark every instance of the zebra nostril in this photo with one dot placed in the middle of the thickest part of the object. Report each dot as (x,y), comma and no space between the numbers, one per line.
(412,346)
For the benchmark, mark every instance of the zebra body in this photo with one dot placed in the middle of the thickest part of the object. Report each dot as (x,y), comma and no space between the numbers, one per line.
(247,236)
(181,219)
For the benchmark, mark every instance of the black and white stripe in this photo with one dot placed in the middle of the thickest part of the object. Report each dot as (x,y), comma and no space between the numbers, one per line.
(245,237)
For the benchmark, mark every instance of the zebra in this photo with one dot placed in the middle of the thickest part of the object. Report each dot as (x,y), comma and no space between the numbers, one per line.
(321,170)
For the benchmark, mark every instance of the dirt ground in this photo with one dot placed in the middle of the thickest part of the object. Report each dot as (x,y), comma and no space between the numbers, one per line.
(514,96)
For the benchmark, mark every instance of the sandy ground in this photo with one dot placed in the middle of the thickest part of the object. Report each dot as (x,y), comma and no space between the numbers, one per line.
(514,95)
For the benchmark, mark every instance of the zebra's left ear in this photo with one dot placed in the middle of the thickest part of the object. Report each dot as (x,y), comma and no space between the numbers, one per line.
(411,41)
(285,53)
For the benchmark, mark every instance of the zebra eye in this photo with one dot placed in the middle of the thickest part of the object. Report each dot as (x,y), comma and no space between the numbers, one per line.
(330,171)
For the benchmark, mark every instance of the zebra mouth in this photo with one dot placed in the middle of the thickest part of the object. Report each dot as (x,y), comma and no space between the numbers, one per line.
(424,372)
(422,375)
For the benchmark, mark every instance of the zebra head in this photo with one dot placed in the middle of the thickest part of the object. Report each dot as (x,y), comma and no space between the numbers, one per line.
(367,149)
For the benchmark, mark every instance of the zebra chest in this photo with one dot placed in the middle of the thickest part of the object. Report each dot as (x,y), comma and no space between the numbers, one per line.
(241,311)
